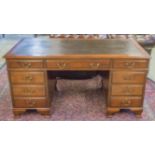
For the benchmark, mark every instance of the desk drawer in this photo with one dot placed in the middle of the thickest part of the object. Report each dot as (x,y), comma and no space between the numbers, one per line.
(124,101)
(28,91)
(127,89)
(77,64)
(25,64)
(18,77)
(128,77)
(131,64)
(30,103)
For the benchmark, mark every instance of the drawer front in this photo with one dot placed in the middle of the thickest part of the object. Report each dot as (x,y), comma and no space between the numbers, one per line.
(25,64)
(28,91)
(130,64)
(127,89)
(27,77)
(124,101)
(128,77)
(30,103)
(81,65)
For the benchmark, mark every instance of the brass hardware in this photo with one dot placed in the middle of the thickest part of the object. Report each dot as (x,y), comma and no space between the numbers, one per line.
(127,90)
(95,65)
(130,64)
(31,103)
(27,65)
(126,102)
(29,78)
(28,91)
(61,65)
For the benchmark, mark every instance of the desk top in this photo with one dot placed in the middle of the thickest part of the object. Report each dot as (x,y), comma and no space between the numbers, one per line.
(76,48)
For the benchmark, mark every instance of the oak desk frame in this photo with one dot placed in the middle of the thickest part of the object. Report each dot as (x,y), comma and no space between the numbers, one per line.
(29,61)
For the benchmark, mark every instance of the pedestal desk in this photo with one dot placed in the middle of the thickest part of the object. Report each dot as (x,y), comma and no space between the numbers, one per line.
(31,62)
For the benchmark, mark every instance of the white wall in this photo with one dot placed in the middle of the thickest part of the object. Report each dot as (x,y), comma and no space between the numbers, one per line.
(151,74)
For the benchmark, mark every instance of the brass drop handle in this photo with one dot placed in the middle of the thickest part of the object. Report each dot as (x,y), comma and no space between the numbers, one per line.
(29,78)
(61,65)
(126,102)
(95,65)
(127,90)
(31,103)
(28,91)
(129,64)
(27,65)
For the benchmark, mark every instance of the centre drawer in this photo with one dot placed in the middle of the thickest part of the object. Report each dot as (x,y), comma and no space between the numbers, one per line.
(124,101)
(128,77)
(127,89)
(30,102)
(28,91)
(78,64)
(19,77)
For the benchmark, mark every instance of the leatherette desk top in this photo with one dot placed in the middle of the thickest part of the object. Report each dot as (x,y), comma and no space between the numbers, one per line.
(60,48)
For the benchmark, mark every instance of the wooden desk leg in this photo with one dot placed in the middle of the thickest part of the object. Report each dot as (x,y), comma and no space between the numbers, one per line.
(138,112)
(111,111)
(18,112)
(44,111)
